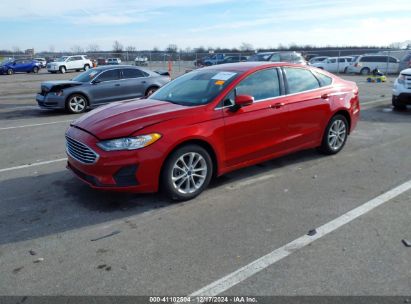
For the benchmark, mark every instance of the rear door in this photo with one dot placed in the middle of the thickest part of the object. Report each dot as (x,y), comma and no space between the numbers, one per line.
(307,103)
(258,130)
(134,82)
(107,87)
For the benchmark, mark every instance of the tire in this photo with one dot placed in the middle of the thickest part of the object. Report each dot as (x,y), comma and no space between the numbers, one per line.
(150,91)
(346,70)
(397,105)
(336,129)
(365,71)
(177,179)
(35,70)
(62,69)
(76,104)
(86,67)
(10,72)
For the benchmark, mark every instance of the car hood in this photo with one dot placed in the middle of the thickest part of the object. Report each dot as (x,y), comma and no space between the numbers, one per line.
(59,84)
(123,118)
(406,72)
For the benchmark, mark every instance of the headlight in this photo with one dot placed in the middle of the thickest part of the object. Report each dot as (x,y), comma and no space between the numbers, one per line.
(401,79)
(129,143)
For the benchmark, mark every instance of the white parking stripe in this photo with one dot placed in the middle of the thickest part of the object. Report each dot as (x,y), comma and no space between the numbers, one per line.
(33,164)
(256,266)
(35,125)
(374,101)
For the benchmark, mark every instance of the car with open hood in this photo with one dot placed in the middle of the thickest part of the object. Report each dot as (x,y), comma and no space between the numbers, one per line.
(209,122)
(99,86)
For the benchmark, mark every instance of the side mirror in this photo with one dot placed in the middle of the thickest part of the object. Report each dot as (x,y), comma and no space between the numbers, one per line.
(243,100)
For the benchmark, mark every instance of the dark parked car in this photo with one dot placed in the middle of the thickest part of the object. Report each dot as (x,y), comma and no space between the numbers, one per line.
(234,58)
(19,65)
(292,57)
(99,86)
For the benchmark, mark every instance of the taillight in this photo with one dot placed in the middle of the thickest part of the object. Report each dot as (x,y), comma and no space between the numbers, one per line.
(356,64)
(401,79)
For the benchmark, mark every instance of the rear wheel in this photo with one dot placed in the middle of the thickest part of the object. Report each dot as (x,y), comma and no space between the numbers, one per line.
(186,173)
(62,69)
(397,104)
(335,135)
(76,103)
(365,71)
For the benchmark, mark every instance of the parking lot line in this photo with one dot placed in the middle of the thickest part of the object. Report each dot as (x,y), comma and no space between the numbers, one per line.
(236,277)
(33,164)
(373,102)
(35,125)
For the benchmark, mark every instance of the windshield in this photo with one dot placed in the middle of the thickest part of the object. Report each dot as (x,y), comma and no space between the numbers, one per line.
(86,76)
(195,88)
(5,61)
(61,59)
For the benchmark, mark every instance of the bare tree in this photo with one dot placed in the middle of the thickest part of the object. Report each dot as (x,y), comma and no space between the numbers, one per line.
(246,47)
(131,49)
(77,49)
(16,49)
(92,48)
(117,47)
(172,48)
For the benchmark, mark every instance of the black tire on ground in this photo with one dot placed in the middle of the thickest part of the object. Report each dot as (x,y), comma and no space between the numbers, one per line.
(150,91)
(338,123)
(62,69)
(365,71)
(190,174)
(10,72)
(345,70)
(86,67)
(397,104)
(76,103)
(35,70)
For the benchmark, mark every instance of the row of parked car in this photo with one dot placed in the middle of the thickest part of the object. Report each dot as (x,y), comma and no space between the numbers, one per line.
(356,64)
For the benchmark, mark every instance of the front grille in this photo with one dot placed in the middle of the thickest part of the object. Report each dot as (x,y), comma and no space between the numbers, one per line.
(80,151)
(408,81)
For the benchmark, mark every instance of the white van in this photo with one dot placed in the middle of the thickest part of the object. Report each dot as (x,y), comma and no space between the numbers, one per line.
(365,64)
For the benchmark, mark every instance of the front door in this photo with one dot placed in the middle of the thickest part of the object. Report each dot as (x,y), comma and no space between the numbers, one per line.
(258,130)
(107,87)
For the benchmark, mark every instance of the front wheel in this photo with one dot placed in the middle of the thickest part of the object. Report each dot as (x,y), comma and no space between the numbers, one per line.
(35,70)
(76,104)
(365,71)
(62,69)
(335,135)
(86,67)
(397,105)
(9,72)
(186,173)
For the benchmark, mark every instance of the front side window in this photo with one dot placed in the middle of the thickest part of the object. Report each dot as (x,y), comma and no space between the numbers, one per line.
(332,60)
(300,80)
(261,85)
(109,75)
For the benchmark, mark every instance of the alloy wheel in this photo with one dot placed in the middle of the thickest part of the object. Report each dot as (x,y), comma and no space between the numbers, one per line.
(77,104)
(189,172)
(337,134)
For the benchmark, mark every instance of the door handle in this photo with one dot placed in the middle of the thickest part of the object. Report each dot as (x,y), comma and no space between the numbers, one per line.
(277,105)
(117,85)
(324,96)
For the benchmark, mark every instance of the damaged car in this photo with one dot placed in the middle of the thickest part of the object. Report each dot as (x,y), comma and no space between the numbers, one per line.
(99,86)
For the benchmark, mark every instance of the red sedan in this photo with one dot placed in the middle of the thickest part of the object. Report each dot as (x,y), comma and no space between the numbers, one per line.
(209,122)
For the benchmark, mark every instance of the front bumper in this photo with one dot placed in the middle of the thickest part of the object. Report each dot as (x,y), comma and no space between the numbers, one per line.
(50,101)
(52,68)
(126,171)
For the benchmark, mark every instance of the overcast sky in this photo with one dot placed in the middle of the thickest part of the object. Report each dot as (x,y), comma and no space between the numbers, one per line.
(46,24)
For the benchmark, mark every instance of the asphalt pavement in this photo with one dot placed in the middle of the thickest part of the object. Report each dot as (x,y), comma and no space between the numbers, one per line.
(59,237)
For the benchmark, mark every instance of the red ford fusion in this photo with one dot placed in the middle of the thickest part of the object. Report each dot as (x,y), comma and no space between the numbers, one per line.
(209,122)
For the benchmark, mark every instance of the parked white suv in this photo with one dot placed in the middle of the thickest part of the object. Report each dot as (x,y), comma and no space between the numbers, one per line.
(365,64)
(401,93)
(334,64)
(66,63)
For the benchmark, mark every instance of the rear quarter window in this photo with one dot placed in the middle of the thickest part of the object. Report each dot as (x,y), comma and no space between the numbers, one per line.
(323,79)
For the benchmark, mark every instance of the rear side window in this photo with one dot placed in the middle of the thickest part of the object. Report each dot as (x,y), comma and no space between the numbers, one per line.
(109,75)
(300,80)
(132,73)
(323,79)
(261,85)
